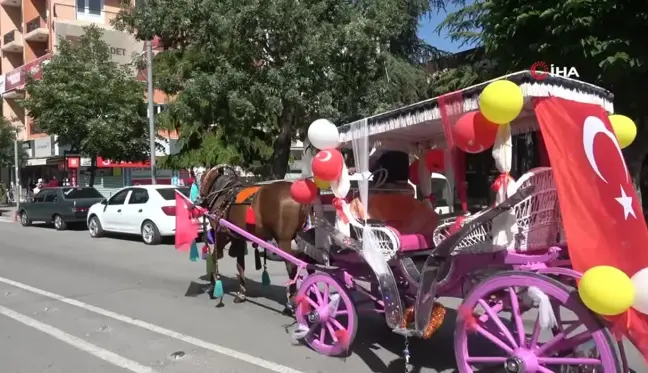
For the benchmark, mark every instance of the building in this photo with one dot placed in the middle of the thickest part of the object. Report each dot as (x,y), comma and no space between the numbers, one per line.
(30,30)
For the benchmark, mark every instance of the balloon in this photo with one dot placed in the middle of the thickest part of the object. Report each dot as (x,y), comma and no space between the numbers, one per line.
(303,191)
(606,290)
(501,101)
(640,281)
(323,134)
(327,164)
(624,129)
(435,160)
(321,184)
(473,133)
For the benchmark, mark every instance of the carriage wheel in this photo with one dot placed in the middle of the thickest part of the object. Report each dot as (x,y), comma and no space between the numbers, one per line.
(580,343)
(331,331)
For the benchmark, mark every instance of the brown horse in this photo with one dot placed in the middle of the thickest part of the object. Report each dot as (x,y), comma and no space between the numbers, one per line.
(267,211)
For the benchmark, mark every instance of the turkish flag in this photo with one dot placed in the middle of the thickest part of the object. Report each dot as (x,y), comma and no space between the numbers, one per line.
(601,213)
(186,230)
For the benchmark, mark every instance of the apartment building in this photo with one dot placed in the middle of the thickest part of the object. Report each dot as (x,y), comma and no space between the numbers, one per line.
(29,32)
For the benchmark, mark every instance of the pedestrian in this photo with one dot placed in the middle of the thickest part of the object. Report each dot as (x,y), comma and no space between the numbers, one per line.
(54,182)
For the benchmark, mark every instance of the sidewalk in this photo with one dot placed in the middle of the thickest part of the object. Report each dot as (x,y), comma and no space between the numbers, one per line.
(7,212)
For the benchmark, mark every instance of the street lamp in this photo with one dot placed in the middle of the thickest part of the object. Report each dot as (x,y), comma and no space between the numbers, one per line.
(149,78)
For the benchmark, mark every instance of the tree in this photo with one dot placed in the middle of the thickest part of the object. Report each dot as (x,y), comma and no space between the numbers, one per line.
(602,39)
(8,134)
(90,102)
(248,77)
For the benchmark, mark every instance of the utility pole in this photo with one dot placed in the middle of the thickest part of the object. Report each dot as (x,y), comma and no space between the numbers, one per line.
(17,171)
(149,70)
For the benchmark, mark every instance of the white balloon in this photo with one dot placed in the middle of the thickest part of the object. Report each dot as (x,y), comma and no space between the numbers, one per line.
(323,134)
(640,281)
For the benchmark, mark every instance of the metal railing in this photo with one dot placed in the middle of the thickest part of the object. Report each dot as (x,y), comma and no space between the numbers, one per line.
(36,23)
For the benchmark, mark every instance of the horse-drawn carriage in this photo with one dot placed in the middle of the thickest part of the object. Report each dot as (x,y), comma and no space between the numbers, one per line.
(505,261)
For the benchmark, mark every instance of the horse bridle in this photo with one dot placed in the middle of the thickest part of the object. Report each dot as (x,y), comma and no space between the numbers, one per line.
(228,191)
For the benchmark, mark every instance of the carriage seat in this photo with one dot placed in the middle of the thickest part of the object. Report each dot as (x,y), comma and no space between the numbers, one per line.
(411,220)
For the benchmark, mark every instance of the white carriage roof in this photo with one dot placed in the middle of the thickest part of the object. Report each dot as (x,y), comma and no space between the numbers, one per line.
(422,120)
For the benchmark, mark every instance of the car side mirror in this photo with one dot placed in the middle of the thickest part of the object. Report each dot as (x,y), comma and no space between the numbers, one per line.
(104,201)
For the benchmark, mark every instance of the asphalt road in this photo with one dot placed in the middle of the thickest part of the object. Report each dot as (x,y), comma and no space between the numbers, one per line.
(73,304)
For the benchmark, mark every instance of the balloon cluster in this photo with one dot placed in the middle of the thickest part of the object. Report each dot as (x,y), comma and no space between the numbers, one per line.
(608,291)
(500,103)
(327,164)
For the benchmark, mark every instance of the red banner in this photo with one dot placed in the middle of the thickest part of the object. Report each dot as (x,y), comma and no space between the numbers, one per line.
(107,163)
(73,162)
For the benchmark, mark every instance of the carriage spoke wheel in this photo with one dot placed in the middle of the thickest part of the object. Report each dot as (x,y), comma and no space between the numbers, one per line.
(498,330)
(332,329)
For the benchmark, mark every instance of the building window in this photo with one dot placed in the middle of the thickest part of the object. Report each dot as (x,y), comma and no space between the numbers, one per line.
(89,9)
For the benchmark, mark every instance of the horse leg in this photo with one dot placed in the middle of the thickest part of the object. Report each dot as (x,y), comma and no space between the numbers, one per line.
(221,240)
(237,249)
(291,269)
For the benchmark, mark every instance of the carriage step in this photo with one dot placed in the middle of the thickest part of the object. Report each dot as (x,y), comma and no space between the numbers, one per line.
(407,332)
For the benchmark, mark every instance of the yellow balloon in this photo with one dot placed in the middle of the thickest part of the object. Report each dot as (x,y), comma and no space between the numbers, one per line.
(321,184)
(624,129)
(501,101)
(606,290)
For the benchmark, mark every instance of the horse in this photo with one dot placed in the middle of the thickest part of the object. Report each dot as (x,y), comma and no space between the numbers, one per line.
(265,210)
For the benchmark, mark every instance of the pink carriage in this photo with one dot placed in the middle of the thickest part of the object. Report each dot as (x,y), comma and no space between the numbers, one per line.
(527,267)
(508,259)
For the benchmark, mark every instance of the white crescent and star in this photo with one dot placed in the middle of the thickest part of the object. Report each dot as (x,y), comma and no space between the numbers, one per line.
(324,156)
(592,127)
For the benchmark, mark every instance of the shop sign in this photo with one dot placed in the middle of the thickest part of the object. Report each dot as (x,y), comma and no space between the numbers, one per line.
(35,68)
(107,163)
(43,147)
(73,162)
(15,79)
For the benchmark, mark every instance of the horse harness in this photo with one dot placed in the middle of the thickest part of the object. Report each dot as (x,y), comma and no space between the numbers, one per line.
(228,192)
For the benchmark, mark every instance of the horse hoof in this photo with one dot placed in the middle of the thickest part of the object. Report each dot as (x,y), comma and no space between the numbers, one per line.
(220,304)
(238,300)
(288,312)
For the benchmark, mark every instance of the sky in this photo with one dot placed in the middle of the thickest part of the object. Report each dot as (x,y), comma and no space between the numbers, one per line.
(428,33)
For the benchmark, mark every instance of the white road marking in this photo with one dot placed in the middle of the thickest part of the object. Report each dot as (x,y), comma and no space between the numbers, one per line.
(82,345)
(242,356)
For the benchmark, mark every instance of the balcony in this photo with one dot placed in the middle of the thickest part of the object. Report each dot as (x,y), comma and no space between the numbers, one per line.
(16,94)
(12,42)
(13,3)
(37,30)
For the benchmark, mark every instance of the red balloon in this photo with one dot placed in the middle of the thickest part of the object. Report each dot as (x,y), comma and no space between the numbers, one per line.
(473,133)
(435,160)
(303,191)
(327,164)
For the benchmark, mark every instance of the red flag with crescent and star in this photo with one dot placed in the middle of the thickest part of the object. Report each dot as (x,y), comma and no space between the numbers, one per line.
(601,213)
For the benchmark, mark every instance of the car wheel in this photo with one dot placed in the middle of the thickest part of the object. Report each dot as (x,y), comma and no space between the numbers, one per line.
(24,219)
(95,228)
(59,224)
(150,233)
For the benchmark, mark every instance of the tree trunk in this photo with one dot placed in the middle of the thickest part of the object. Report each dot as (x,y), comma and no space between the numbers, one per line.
(281,147)
(93,168)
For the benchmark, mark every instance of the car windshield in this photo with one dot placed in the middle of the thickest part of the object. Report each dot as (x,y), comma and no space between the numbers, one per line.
(80,193)
(169,193)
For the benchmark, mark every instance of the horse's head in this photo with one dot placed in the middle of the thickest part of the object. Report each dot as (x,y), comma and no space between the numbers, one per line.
(215,183)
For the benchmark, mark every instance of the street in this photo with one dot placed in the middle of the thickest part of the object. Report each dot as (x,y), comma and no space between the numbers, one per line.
(73,304)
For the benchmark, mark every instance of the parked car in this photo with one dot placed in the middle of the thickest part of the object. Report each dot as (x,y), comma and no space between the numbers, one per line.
(61,206)
(146,210)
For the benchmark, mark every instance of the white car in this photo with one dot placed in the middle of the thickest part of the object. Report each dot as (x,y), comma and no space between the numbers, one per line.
(146,210)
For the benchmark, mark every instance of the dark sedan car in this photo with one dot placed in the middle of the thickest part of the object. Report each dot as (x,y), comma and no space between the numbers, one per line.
(61,206)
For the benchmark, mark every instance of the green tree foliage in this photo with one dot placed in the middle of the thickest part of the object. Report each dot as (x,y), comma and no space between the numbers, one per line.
(249,76)
(603,39)
(89,102)
(8,133)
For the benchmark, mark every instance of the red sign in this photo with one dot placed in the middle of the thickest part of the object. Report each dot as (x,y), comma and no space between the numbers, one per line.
(15,79)
(35,67)
(73,162)
(107,163)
